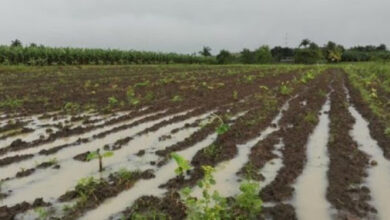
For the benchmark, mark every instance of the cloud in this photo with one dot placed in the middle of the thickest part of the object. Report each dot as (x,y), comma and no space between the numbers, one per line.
(185,26)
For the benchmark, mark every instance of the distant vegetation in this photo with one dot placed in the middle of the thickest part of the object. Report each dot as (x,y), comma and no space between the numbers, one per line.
(307,52)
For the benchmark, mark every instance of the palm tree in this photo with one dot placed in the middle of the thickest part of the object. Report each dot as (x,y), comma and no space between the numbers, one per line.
(305,43)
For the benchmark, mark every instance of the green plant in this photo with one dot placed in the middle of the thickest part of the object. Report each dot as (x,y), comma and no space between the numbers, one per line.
(311,117)
(177,98)
(183,164)
(71,107)
(387,131)
(96,155)
(235,95)
(211,150)
(42,213)
(223,127)
(249,200)
(285,89)
(113,102)
(211,205)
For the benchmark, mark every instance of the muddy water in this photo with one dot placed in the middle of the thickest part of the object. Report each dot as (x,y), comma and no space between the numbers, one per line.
(310,189)
(146,187)
(227,182)
(61,141)
(378,179)
(11,169)
(58,181)
(271,168)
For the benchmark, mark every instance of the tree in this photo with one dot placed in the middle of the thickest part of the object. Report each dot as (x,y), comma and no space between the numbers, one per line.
(16,43)
(381,47)
(304,43)
(263,55)
(333,52)
(247,56)
(206,51)
(308,55)
(224,57)
(279,53)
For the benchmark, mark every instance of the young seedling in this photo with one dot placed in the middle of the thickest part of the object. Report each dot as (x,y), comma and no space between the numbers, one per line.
(183,165)
(222,128)
(97,155)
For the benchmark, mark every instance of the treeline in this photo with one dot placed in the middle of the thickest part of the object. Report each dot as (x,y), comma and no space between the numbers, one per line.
(307,52)
(33,54)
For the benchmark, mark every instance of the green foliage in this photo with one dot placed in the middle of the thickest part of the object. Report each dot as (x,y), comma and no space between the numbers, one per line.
(177,98)
(308,76)
(308,55)
(95,155)
(387,131)
(249,199)
(86,188)
(222,129)
(311,117)
(211,205)
(246,205)
(284,89)
(150,214)
(235,95)
(113,102)
(211,150)
(131,97)
(206,51)
(41,55)
(71,107)
(224,57)
(183,164)
(11,103)
(263,55)
(42,213)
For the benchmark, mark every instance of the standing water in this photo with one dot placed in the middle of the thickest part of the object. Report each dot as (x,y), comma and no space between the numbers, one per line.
(310,199)
(378,176)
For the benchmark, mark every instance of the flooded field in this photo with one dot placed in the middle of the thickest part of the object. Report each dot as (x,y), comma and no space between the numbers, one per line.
(293,142)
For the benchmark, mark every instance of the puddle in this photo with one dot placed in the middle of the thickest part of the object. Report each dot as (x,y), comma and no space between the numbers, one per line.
(378,179)
(227,182)
(271,168)
(310,189)
(145,187)
(12,169)
(50,183)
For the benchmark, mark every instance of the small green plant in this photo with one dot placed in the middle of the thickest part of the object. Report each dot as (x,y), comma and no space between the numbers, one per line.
(235,95)
(285,89)
(211,150)
(387,131)
(142,84)
(86,188)
(42,213)
(113,102)
(177,98)
(308,76)
(183,164)
(125,175)
(222,127)
(249,200)
(311,117)
(211,205)
(264,88)
(131,97)
(96,155)
(71,107)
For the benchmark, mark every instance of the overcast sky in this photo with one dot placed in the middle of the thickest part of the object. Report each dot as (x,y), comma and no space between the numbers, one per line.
(186,25)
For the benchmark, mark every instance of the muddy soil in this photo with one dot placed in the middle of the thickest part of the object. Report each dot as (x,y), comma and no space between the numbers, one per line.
(348,164)
(376,125)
